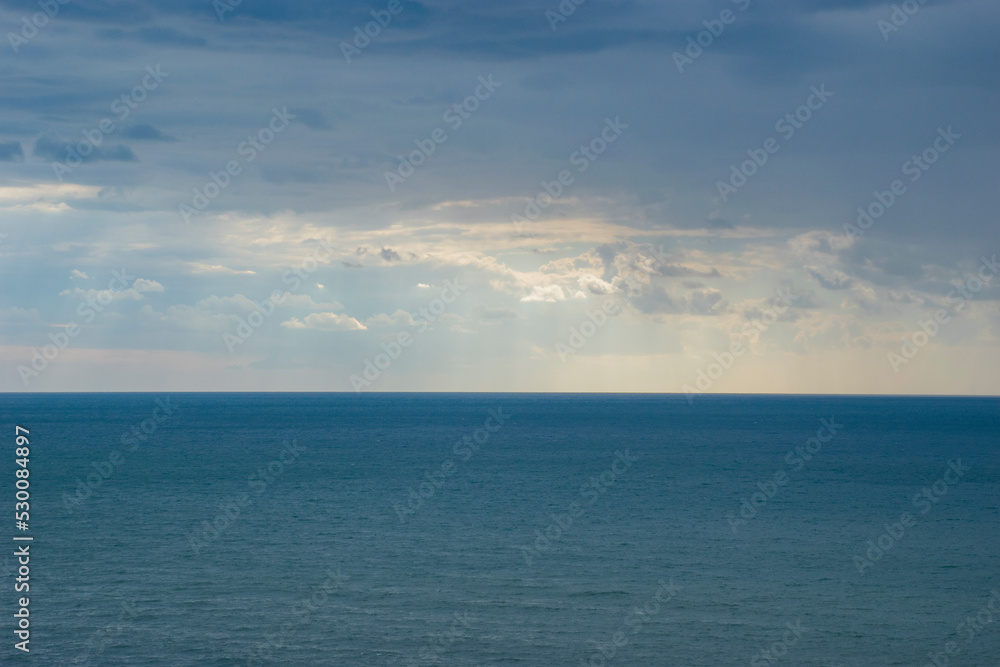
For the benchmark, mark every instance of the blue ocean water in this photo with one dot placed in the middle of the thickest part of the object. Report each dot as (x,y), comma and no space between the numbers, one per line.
(507,529)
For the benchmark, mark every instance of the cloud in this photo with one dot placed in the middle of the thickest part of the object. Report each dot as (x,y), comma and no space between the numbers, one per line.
(57,150)
(679,270)
(905,297)
(311,118)
(548,294)
(143,285)
(641,224)
(159,35)
(655,301)
(867,298)
(820,241)
(198,267)
(720,223)
(325,322)
(638,261)
(595,285)
(306,302)
(704,301)
(215,313)
(146,132)
(130,294)
(389,255)
(830,279)
(400,318)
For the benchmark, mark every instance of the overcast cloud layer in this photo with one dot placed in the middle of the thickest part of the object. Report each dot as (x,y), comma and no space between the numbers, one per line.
(259,196)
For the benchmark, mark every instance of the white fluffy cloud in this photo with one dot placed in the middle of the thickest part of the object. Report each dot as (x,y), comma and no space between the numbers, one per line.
(325,322)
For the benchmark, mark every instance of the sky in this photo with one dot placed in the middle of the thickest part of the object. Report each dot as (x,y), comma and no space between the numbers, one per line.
(734,196)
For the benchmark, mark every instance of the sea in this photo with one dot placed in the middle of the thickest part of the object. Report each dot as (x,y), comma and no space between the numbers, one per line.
(530,530)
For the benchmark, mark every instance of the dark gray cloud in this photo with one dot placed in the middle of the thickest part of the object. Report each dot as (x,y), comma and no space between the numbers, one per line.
(311,118)
(56,150)
(154,35)
(146,132)
(678,270)
(767,32)
(705,302)
(830,279)
(657,183)
(655,301)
